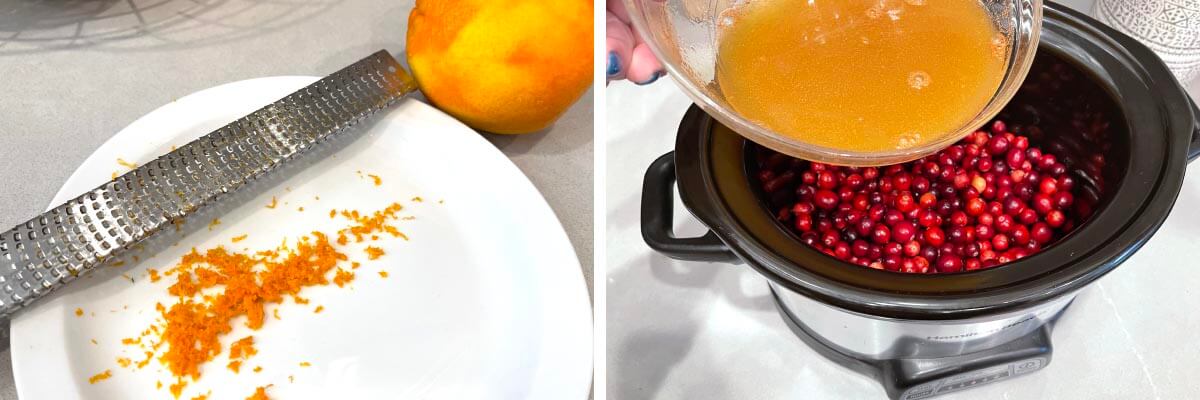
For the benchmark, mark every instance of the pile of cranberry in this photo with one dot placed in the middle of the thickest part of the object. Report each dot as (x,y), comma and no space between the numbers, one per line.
(988,200)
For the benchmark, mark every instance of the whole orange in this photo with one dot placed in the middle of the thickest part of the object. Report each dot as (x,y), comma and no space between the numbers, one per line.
(503,66)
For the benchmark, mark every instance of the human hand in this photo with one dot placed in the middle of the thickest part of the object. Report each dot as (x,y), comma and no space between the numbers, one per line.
(628,57)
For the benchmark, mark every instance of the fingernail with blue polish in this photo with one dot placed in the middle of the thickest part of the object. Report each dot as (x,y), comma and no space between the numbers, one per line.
(653,78)
(614,64)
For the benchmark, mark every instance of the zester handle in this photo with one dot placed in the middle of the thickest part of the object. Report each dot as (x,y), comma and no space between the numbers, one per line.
(52,249)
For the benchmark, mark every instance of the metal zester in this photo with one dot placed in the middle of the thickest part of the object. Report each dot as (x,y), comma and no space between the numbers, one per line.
(52,249)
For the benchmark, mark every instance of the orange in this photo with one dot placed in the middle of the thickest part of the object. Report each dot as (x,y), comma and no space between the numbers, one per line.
(503,66)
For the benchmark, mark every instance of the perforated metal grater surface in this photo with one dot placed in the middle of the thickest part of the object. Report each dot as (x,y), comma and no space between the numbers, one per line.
(53,249)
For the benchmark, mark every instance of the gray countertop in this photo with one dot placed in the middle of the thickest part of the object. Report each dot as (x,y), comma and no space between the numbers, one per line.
(73,73)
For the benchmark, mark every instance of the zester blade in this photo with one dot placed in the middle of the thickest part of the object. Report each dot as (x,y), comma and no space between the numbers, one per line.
(53,249)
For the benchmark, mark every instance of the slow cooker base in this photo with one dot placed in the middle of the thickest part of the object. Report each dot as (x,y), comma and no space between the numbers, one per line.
(912,379)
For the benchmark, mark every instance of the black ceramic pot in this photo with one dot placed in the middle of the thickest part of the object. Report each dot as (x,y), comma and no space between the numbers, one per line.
(1139,120)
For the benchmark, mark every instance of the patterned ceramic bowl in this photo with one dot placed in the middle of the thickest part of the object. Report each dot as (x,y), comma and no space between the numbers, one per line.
(1169,27)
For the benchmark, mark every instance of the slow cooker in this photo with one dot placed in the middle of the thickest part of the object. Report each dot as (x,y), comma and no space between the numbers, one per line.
(926,335)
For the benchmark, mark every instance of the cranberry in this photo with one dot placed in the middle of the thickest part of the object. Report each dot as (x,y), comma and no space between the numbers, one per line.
(893,249)
(999,166)
(1013,206)
(955,152)
(970,250)
(1055,219)
(927,218)
(853,180)
(935,236)
(976,206)
(995,208)
(1063,199)
(1042,203)
(845,194)
(891,217)
(920,264)
(1024,190)
(854,216)
(932,170)
(1027,216)
(829,238)
(876,212)
(803,223)
(881,234)
(979,183)
(945,207)
(1020,235)
(957,234)
(1048,162)
(825,199)
(827,180)
(1066,183)
(984,232)
(860,248)
(958,218)
(1048,186)
(984,164)
(1000,242)
(927,200)
(1015,157)
(929,252)
(998,145)
(902,181)
(865,227)
(961,180)
(1041,233)
(1020,143)
(842,250)
(1005,223)
(949,263)
(905,202)
(985,219)
(920,184)
(861,202)
(1034,155)
(903,231)
(808,178)
(999,127)
(891,263)
(912,248)
(1058,169)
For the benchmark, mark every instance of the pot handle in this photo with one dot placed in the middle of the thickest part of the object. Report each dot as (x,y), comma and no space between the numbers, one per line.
(1194,146)
(658,206)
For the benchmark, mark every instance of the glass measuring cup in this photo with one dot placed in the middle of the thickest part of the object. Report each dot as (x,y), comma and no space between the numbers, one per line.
(683,34)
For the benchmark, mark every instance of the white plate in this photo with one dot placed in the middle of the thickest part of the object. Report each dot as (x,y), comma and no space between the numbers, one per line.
(486,300)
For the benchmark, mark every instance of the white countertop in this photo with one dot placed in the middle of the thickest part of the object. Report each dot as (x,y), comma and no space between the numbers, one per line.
(694,331)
